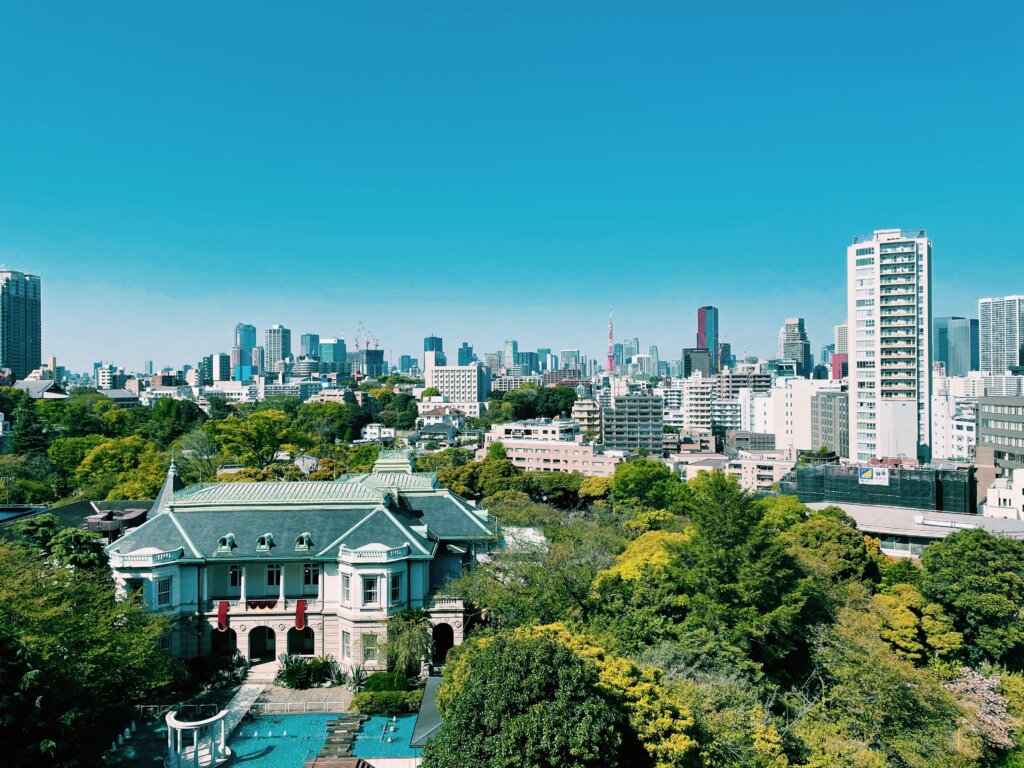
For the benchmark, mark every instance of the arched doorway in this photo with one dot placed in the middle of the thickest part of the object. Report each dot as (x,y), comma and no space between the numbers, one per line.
(300,641)
(262,644)
(223,643)
(444,641)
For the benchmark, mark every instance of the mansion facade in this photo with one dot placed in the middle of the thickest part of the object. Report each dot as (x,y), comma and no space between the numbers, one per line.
(309,567)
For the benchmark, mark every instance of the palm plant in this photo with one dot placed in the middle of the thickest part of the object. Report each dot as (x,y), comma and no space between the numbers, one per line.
(409,641)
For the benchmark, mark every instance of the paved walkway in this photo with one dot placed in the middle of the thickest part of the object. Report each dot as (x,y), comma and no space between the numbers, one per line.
(278,701)
(239,706)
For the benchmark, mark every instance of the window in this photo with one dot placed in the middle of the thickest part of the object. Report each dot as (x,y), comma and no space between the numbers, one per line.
(164,643)
(273,575)
(346,645)
(346,589)
(311,574)
(265,542)
(369,590)
(369,648)
(163,591)
(303,542)
(396,587)
(226,543)
(235,576)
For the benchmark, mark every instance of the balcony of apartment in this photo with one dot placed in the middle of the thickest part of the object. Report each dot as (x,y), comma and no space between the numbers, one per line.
(347,555)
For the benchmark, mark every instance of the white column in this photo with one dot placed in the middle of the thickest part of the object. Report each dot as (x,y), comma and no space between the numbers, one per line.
(223,744)
(280,591)
(195,747)
(170,740)
(242,588)
(201,599)
(320,585)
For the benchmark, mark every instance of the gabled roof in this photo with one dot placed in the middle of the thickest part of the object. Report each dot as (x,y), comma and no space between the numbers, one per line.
(301,493)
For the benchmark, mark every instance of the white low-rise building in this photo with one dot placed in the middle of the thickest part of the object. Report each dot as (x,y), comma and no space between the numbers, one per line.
(1006,496)
(759,471)
(377,432)
(551,445)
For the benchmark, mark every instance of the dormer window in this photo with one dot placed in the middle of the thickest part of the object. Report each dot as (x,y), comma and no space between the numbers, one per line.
(265,542)
(226,543)
(304,542)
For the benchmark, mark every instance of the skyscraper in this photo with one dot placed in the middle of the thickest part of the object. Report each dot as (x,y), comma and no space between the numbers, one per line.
(707,334)
(889,286)
(309,345)
(1001,330)
(466,355)
(955,344)
(333,355)
(630,349)
(21,330)
(842,339)
(245,340)
(433,352)
(508,357)
(794,345)
(278,346)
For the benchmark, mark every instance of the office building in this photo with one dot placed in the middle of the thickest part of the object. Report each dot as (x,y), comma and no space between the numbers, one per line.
(333,355)
(258,361)
(954,427)
(245,340)
(460,383)
(889,308)
(707,334)
(220,367)
(726,359)
(309,345)
(21,330)
(630,349)
(434,345)
(466,355)
(370,363)
(569,358)
(830,422)
(1001,332)
(278,347)
(956,344)
(826,354)
(794,345)
(696,360)
(508,356)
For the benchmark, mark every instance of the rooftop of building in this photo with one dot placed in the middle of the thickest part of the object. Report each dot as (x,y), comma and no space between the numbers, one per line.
(905,521)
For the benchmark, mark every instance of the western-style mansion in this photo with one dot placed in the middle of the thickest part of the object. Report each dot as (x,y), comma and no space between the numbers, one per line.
(309,567)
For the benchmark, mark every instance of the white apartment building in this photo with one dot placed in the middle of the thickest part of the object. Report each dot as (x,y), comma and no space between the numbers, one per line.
(842,339)
(889,316)
(1000,333)
(471,409)
(1005,496)
(460,383)
(551,445)
(758,471)
(756,412)
(791,412)
(954,427)
(977,384)
(698,396)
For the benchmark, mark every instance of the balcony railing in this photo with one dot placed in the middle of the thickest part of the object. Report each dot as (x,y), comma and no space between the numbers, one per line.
(118,560)
(372,555)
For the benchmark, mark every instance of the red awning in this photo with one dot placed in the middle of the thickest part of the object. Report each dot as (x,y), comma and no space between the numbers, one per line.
(300,614)
(222,616)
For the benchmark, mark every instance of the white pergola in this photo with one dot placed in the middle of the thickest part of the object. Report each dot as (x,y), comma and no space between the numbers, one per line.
(207,745)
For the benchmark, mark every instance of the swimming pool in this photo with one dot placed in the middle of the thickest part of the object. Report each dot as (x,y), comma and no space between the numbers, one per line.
(373,738)
(286,741)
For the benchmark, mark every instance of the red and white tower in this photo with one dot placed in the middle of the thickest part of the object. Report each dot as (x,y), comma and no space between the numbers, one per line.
(611,344)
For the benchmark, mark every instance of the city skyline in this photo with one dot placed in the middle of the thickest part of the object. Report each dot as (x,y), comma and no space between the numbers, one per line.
(409,149)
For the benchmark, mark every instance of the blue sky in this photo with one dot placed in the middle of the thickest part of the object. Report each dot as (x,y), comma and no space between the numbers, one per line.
(484,170)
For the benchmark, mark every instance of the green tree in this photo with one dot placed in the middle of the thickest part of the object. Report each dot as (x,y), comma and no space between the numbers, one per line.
(78,548)
(38,529)
(67,453)
(122,468)
(409,641)
(430,392)
(496,452)
(97,655)
(649,483)
(526,702)
(256,439)
(30,435)
(978,578)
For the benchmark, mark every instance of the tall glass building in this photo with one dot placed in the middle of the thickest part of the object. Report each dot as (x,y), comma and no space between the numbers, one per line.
(1001,328)
(707,334)
(21,330)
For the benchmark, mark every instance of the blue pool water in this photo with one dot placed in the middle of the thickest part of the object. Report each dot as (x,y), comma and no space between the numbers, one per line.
(278,742)
(372,740)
